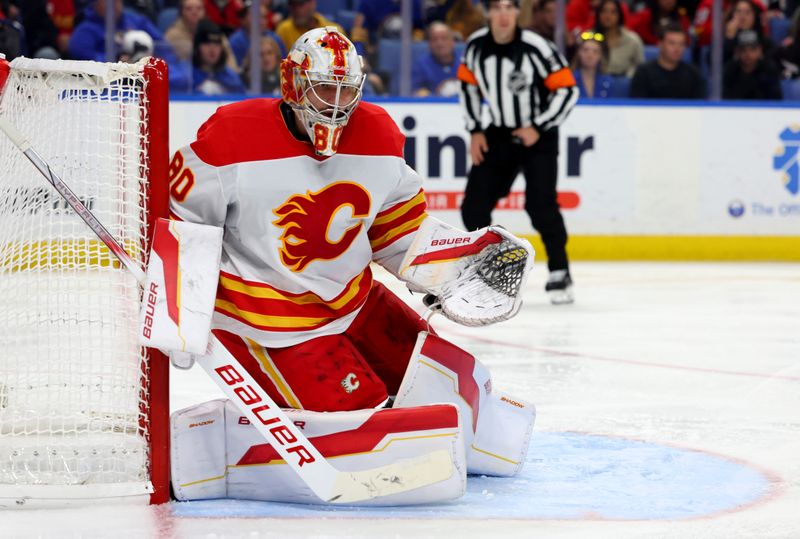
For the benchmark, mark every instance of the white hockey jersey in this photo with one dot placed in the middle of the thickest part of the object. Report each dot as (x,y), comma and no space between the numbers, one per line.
(300,230)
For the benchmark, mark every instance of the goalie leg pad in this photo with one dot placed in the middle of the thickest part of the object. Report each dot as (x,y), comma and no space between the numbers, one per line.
(503,436)
(198,449)
(497,428)
(234,461)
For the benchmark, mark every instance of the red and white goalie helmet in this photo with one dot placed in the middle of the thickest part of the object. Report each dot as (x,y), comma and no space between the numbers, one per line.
(321,79)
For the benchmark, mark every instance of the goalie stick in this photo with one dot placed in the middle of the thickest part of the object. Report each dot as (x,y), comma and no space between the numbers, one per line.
(325,481)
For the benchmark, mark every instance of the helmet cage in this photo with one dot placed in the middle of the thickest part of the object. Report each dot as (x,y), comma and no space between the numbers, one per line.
(329,99)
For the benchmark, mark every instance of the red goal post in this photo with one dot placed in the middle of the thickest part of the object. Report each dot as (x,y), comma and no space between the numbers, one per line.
(84,410)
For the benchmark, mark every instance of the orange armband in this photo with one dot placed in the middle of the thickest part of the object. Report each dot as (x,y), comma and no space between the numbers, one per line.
(560,79)
(465,75)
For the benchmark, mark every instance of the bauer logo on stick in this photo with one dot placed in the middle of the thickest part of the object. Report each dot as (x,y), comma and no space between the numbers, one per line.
(149,311)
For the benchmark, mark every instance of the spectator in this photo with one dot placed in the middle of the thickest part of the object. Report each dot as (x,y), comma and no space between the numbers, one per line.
(181,34)
(580,14)
(544,20)
(62,13)
(436,10)
(88,41)
(749,75)
(625,48)
(655,16)
(588,66)
(240,39)
(224,13)
(545,16)
(379,18)
(689,8)
(272,17)
(745,15)
(464,18)
(526,9)
(45,38)
(702,18)
(303,16)
(9,9)
(788,56)
(435,72)
(270,67)
(373,83)
(12,40)
(148,8)
(136,44)
(668,77)
(80,9)
(211,75)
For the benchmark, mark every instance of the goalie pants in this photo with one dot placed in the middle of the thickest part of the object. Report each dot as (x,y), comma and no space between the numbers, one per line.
(490,181)
(357,369)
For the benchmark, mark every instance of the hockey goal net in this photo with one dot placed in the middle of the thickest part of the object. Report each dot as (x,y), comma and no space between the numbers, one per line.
(83,408)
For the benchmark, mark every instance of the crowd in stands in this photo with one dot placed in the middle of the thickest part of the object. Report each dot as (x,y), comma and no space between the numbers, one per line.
(617,48)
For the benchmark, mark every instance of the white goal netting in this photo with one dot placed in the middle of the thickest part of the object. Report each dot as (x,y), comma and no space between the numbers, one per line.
(73,379)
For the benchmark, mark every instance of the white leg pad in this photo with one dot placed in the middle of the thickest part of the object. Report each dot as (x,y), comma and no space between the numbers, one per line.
(198,450)
(504,432)
(218,454)
(497,428)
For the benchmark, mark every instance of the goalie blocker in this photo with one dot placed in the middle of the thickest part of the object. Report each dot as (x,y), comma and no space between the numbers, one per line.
(181,286)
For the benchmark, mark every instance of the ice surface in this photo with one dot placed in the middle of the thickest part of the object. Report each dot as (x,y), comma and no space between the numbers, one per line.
(668,405)
(566,476)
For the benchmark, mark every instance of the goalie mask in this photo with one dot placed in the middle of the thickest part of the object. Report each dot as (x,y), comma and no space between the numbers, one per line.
(321,79)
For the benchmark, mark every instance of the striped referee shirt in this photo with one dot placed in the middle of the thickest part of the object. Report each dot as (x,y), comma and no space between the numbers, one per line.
(525,82)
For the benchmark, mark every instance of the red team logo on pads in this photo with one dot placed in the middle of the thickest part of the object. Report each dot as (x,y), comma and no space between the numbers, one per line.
(306,221)
(350,383)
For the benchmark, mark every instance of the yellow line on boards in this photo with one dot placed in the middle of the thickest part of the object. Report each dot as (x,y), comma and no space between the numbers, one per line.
(676,248)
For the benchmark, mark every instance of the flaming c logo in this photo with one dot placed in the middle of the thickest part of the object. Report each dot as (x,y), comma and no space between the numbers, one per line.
(306,221)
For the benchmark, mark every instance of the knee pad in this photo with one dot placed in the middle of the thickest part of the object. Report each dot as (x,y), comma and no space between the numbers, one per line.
(497,428)
(216,453)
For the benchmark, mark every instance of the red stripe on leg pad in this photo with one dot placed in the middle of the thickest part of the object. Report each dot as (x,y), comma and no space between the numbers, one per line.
(367,436)
(462,363)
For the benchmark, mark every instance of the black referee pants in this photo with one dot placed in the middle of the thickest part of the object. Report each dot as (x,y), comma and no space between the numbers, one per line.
(491,180)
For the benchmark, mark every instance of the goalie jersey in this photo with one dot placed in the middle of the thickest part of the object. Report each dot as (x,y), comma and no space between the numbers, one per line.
(299,230)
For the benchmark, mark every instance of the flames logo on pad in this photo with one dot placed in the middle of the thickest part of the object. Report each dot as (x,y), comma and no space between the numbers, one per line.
(306,221)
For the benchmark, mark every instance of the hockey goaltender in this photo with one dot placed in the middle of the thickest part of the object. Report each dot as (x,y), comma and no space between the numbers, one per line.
(308,190)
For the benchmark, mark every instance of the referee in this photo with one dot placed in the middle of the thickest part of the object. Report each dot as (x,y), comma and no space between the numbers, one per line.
(530,91)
